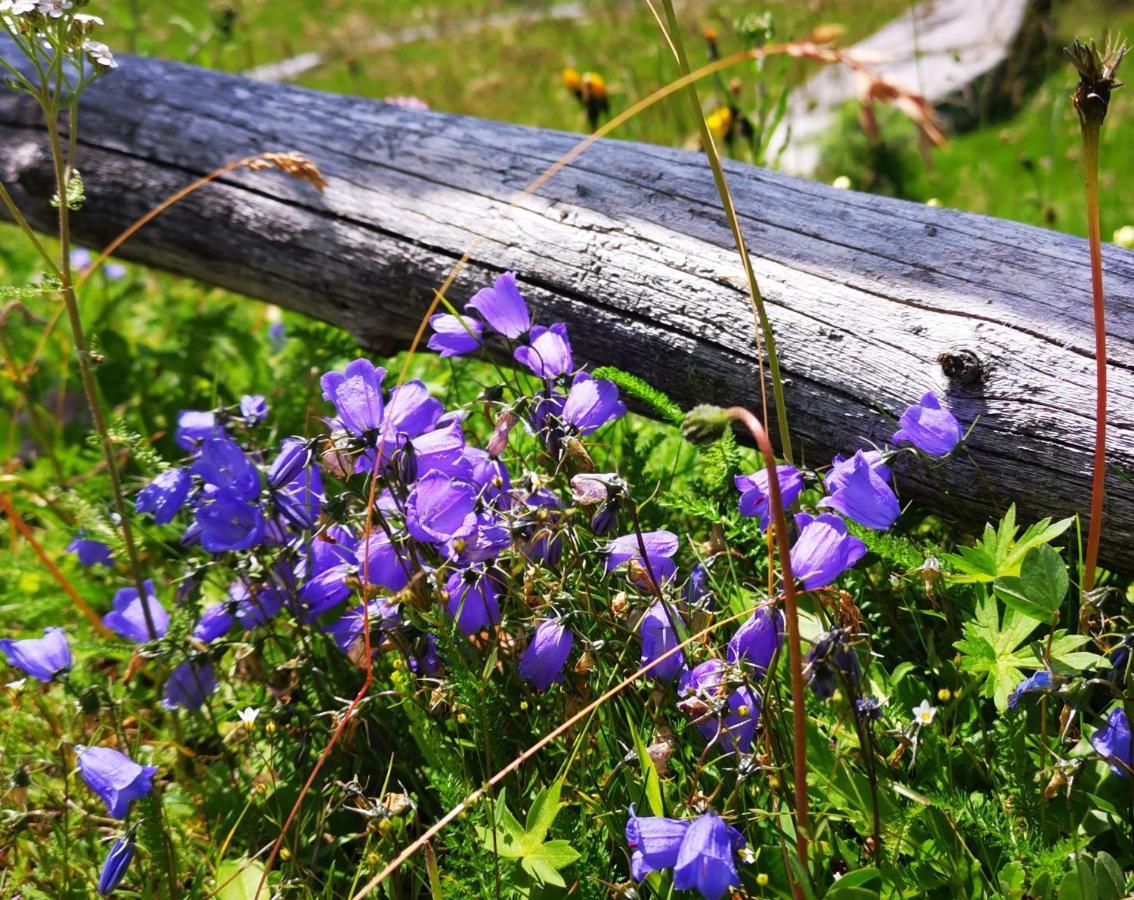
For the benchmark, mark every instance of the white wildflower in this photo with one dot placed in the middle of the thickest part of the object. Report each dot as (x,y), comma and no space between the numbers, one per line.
(18,7)
(83,24)
(100,54)
(924,713)
(248,717)
(54,8)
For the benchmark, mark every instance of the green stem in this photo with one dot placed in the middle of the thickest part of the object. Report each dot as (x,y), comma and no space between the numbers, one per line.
(90,388)
(1098,480)
(765,326)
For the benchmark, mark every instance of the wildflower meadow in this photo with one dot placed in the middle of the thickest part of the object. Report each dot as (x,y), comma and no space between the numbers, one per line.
(287,618)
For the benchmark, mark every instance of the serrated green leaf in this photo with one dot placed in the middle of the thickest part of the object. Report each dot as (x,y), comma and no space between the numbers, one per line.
(541,871)
(558,854)
(992,648)
(1038,591)
(1066,656)
(542,813)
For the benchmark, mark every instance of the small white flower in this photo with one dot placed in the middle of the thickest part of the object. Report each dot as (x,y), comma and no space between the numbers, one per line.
(54,8)
(100,54)
(924,713)
(83,24)
(747,855)
(248,717)
(18,7)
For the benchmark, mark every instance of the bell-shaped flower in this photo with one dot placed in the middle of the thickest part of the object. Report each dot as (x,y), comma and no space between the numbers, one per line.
(128,617)
(707,859)
(356,394)
(90,553)
(503,307)
(730,720)
(455,335)
(841,466)
(439,450)
(254,408)
(115,866)
(116,778)
(228,523)
(472,601)
(195,427)
(591,403)
(1112,742)
(348,632)
(656,629)
(382,562)
(215,622)
(224,465)
(863,496)
(410,412)
(543,660)
(42,658)
(189,685)
(441,507)
(754,497)
(1037,683)
(654,842)
(165,495)
(548,353)
(823,550)
(830,659)
(660,546)
(928,427)
(758,639)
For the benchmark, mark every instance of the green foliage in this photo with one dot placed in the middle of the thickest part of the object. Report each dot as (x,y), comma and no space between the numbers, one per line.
(541,859)
(993,649)
(1039,589)
(1000,553)
(644,393)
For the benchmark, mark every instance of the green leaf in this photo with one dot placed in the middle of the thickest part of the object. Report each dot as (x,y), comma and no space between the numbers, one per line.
(544,864)
(238,879)
(992,648)
(543,812)
(999,553)
(1066,657)
(1109,880)
(1079,884)
(1038,591)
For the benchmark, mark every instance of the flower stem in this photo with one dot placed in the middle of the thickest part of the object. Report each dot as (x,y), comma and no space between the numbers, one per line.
(90,388)
(1098,479)
(791,613)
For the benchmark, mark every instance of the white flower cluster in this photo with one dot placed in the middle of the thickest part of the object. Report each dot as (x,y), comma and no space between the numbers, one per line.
(29,16)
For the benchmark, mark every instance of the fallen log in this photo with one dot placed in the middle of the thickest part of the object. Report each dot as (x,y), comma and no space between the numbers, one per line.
(874,301)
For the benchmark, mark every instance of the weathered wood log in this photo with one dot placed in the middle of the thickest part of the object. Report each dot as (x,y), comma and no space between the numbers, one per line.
(874,301)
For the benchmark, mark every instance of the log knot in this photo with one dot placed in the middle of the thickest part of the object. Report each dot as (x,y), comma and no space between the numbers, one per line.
(962,367)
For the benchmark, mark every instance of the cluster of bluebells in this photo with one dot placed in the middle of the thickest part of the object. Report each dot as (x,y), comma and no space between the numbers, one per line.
(431,544)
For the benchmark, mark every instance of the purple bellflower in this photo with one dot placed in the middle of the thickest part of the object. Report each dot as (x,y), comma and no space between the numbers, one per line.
(348,631)
(381,562)
(591,403)
(697,588)
(660,547)
(1112,742)
(90,553)
(707,859)
(831,657)
(116,778)
(42,658)
(227,523)
(254,408)
(472,601)
(753,488)
(758,639)
(223,465)
(841,467)
(863,496)
(128,618)
(194,427)
(658,637)
(455,336)
(928,427)
(189,685)
(215,622)
(356,393)
(441,507)
(823,550)
(165,495)
(543,660)
(549,353)
(503,307)
(734,722)
(116,864)
(654,841)
(1037,683)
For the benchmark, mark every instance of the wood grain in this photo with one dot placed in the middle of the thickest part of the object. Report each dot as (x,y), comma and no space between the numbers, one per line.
(874,301)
